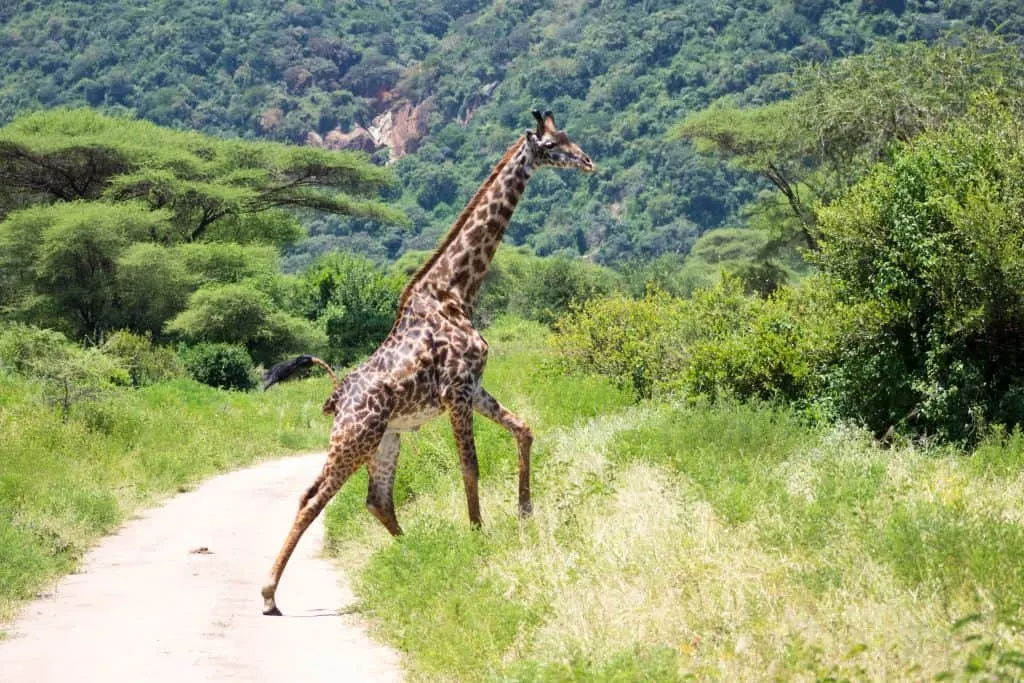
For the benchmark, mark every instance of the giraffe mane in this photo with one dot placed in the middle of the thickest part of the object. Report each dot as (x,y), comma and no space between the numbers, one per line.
(459,224)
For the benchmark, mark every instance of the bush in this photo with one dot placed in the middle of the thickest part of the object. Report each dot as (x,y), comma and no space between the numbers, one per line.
(772,349)
(352,301)
(539,288)
(225,366)
(929,249)
(25,347)
(146,364)
(68,373)
(720,343)
(242,314)
(551,285)
(629,340)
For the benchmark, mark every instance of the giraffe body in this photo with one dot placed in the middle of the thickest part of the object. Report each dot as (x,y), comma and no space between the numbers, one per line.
(433,359)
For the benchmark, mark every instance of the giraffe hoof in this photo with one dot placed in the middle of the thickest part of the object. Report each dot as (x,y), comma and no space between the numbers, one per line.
(272,612)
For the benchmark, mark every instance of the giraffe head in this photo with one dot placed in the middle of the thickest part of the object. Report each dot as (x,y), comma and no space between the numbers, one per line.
(552,147)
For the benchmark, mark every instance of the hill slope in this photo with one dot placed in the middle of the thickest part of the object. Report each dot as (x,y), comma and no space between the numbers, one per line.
(452,83)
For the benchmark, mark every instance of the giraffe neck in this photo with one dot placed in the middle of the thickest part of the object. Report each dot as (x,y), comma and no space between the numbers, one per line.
(454,273)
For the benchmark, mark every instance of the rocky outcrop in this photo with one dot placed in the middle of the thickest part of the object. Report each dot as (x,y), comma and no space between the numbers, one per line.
(400,129)
(359,139)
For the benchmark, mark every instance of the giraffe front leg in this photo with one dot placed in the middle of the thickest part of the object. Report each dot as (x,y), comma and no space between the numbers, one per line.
(489,407)
(382,467)
(461,415)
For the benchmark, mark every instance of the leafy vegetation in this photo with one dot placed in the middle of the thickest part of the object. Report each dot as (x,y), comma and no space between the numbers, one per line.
(224,366)
(353,302)
(924,248)
(719,343)
(847,115)
(618,75)
(907,327)
(115,223)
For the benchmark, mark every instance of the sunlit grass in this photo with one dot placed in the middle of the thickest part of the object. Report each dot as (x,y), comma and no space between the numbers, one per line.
(668,542)
(63,484)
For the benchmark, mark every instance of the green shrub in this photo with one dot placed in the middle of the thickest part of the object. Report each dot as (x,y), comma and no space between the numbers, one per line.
(352,301)
(25,347)
(747,347)
(721,342)
(225,366)
(521,284)
(929,249)
(242,314)
(146,363)
(549,286)
(629,340)
(68,373)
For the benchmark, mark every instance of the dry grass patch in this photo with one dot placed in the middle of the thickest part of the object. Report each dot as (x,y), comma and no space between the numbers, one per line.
(726,543)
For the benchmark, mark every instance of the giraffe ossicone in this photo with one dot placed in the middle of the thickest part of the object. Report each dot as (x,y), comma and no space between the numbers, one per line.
(433,359)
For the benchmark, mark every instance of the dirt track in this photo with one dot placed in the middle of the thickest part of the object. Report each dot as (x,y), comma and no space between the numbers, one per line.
(144,608)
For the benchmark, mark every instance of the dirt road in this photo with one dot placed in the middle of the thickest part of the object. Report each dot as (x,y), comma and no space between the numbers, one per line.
(144,608)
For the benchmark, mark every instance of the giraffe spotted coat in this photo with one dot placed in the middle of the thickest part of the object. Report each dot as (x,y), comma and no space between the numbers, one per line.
(433,359)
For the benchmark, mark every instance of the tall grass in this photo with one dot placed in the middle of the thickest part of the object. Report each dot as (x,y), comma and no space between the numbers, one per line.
(65,483)
(724,542)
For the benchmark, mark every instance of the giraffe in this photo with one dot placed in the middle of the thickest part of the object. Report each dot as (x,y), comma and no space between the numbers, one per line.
(433,359)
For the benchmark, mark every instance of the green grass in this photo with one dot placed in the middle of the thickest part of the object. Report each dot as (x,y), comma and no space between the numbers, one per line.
(669,542)
(64,484)
(723,542)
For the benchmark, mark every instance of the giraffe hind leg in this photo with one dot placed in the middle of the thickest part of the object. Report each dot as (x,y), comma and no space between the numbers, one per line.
(382,467)
(349,450)
(461,416)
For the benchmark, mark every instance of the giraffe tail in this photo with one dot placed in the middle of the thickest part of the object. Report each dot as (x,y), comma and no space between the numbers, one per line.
(286,369)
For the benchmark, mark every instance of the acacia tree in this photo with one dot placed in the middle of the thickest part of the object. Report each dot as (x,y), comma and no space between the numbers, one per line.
(845,116)
(70,154)
(115,222)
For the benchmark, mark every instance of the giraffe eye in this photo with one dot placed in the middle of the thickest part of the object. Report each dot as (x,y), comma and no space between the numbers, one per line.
(550,144)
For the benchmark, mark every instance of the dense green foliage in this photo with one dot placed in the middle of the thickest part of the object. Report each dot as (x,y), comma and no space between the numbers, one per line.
(115,223)
(224,366)
(78,154)
(913,326)
(719,343)
(909,167)
(352,301)
(847,115)
(145,362)
(617,73)
(929,249)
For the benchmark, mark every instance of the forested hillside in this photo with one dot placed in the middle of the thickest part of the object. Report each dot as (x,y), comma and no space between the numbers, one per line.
(452,83)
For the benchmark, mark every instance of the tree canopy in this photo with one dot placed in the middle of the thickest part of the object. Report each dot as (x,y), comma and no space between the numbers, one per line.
(113,222)
(847,115)
(64,155)
(618,74)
